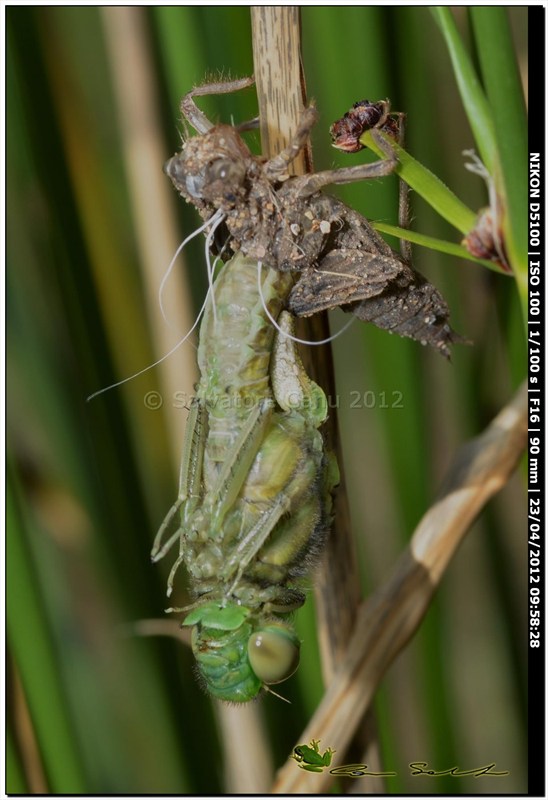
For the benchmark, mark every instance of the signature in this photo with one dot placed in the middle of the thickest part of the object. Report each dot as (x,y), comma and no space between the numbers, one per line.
(358,771)
(417,768)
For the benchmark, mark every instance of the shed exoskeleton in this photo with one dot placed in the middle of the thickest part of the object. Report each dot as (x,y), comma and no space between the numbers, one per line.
(287,223)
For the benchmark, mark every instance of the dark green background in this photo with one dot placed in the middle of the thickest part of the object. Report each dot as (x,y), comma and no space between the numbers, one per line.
(89,483)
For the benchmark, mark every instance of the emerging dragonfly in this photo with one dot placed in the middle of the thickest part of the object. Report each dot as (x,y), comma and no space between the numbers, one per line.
(256,480)
(255,487)
(254,502)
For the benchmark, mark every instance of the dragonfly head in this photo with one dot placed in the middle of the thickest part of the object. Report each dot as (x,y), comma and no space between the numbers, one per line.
(211,169)
(236,655)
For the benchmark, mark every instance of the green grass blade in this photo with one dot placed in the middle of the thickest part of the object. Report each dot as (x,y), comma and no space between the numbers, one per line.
(473,97)
(15,775)
(504,91)
(428,185)
(440,245)
(31,644)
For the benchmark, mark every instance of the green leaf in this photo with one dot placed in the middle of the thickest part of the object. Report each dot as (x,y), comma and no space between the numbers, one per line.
(428,185)
(473,97)
(33,649)
(432,243)
(504,90)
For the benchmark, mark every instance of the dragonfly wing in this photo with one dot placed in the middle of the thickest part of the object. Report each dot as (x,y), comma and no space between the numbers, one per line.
(379,289)
(341,277)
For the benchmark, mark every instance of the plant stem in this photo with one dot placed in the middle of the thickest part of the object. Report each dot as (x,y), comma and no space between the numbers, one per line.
(425,183)
(505,95)
(472,94)
(280,88)
(389,618)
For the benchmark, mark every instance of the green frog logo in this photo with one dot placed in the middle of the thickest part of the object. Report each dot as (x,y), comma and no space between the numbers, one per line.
(309,757)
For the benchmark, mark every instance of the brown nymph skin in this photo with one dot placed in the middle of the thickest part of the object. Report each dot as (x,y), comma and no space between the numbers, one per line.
(287,223)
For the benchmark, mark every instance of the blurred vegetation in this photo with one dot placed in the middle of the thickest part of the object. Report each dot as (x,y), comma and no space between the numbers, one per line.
(91,708)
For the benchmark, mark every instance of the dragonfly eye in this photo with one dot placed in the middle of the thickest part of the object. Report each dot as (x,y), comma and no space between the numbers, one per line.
(226,170)
(184,181)
(194,185)
(273,653)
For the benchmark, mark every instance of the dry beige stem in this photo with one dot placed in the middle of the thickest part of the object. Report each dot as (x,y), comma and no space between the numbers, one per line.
(151,199)
(278,77)
(25,736)
(281,96)
(281,93)
(390,617)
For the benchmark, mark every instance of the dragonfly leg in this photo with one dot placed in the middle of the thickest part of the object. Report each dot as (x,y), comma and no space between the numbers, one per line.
(276,167)
(192,113)
(221,497)
(306,185)
(251,543)
(293,389)
(238,461)
(190,476)
(158,554)
(304,530)
(176,565)
(295,516)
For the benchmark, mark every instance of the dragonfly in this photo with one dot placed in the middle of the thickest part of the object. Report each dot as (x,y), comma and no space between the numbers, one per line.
(256,483)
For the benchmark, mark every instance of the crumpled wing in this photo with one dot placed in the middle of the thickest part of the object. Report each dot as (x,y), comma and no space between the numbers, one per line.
(343,276)
(384,291)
